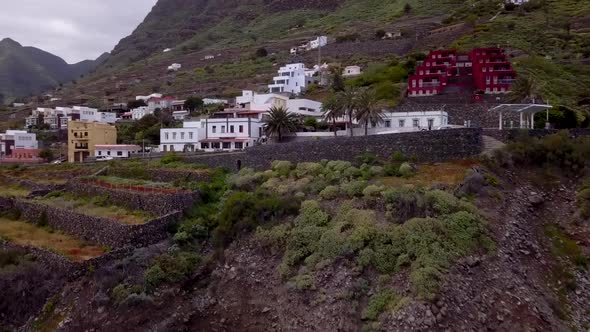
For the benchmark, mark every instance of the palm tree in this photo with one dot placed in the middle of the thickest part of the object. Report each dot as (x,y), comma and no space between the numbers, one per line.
(525,88)
(368,109)
(349,98)
(333,110)
(280,121)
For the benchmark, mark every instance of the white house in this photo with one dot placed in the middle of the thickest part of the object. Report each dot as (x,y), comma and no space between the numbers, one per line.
(159,103)
(318,42)
(414,121)
(140,112)
(180,115)
(351,71)
(292,78)
(18,104)
(250,100)
(166,50)
(225,131)
(174,67)
(213,101)
(116,151)
(146,98)
(183,139)
(13,140)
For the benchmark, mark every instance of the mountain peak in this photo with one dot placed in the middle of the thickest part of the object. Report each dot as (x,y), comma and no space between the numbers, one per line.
(9,42)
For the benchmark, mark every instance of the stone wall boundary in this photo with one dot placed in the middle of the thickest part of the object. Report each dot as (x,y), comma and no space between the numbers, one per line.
(156,203)
(426,146)
(508,135)
(95,229)
(166,175)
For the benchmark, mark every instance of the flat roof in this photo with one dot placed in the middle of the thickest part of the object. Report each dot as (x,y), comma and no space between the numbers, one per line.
(118,147)
(520,108)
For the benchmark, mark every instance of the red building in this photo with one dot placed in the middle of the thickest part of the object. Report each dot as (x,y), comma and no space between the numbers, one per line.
(446,71)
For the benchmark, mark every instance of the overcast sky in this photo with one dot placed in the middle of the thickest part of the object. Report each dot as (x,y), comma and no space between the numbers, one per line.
(75,30)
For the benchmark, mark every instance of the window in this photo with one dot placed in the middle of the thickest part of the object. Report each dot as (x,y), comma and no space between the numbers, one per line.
(167,136)
(214,129)
(226,145)
(223,129)
(100,153)
(120,153)
(165,148)
(430,123)
(215,145)
(388,124)
(416,123)
(204,145)
(109,153)
(86,134)
(231,129)
(241,129)
(402,123)
(190,135)
(239,145)
(174,136)
(182,136)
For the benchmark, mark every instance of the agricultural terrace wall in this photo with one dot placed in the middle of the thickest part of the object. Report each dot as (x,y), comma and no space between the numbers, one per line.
(508,135)
(156,203)
(163,175)
(48,259)
(427,146)
(34,186)
(95,229)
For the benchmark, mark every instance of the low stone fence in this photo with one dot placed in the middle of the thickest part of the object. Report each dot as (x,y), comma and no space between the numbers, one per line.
(167,175)
(507,135)
(34,186)
(95,229)
(156,203)
(426,146)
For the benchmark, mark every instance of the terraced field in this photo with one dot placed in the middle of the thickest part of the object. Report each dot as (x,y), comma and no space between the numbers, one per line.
(25,234)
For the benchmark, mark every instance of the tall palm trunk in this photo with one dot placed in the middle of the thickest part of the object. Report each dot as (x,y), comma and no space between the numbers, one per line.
(334,127)
(350,123)
(367,129)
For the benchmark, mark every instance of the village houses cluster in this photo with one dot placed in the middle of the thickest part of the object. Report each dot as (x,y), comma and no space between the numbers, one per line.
(240,123)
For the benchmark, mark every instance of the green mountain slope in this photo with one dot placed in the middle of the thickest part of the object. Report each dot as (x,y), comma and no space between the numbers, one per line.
(28,70)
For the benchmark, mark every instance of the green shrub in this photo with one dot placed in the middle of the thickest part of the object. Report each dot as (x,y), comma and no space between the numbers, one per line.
(353,188)
(376,171)
(385,299)
(282,168)
(352,173)
(312,214)
(305,169)
(373,191)
(170,158)
(275,237)
(426,282)
(338,165)
(122,291)
(330,192)
(171,268)
(368,158)
(583,203)
(406,170)
(304,282)
(403,204)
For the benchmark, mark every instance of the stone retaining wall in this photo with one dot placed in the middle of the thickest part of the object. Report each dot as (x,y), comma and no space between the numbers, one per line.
(167,175)
(508,135)
(156,203)
(34,186)
(98,230)
(427,146)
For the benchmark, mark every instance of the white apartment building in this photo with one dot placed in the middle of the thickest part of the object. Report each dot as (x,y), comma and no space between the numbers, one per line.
(13,140)
(227,131)
(140,112)
(292,78)
(250,100)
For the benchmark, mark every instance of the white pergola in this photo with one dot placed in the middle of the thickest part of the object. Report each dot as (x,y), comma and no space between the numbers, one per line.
(527,113)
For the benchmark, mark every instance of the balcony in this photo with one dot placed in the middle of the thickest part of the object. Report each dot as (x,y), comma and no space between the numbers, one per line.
(429,84)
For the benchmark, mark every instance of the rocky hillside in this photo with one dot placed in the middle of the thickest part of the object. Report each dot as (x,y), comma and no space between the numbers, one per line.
(27,71)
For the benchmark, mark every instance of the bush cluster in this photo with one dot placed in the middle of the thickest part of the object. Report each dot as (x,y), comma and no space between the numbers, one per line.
(171,268)
(440,229)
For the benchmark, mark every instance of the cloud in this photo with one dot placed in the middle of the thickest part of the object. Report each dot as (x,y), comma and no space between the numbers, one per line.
(75,30)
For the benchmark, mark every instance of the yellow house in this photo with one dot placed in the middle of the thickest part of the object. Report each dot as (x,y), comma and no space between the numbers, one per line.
(84,136)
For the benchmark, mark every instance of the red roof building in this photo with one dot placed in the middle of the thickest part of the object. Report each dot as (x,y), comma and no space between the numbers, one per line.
(447,71)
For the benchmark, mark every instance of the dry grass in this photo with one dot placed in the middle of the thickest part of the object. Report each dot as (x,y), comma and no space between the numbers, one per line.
(89,207)
(22,233)
(11,190)
(448,173)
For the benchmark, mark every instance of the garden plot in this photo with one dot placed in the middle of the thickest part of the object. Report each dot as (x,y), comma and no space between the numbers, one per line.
(25,234)
(97,206)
